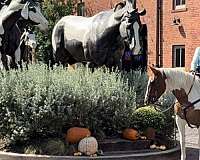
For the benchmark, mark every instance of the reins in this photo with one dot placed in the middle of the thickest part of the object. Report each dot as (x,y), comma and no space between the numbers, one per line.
(167,109)
(186,107)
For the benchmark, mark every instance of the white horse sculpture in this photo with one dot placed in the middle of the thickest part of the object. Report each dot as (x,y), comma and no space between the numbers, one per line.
(186,88)
(25,9)
(98,39)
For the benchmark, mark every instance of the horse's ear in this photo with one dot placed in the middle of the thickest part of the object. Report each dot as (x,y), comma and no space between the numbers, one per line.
(142,12)
(119,5)
(24,11)
(119,13)
(152,71)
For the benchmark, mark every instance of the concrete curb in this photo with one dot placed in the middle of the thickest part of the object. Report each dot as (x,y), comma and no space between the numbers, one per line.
(137,156)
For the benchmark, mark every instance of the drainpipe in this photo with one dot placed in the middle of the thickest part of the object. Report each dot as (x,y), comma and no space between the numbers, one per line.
(161,34)
(158,33)
(134,4)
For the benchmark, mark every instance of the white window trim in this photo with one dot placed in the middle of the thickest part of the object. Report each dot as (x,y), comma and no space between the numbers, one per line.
(174,54)
(181,6)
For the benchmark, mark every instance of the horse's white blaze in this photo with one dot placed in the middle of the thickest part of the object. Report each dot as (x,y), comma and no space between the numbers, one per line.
(135,43)
(39,18)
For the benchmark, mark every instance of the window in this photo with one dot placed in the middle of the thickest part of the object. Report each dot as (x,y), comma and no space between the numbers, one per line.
(81,9)
(179,4)
(179,56)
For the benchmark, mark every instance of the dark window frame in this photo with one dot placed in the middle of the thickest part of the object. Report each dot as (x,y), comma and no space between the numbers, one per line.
(81,9)
(178,56)
(179,4)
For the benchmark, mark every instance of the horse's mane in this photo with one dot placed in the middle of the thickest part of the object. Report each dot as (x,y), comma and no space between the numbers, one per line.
(178,77)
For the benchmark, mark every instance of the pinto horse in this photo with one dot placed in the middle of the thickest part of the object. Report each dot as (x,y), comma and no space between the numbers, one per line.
(186,88)
(29,11)
(98,39)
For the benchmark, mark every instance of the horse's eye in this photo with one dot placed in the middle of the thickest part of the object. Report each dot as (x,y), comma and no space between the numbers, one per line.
(32,9)
(152,82)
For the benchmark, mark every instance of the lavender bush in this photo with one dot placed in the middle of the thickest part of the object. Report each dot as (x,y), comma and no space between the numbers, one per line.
(39,102)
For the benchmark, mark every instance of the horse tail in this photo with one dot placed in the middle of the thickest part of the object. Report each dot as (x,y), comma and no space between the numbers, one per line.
(58,36)
(57,42)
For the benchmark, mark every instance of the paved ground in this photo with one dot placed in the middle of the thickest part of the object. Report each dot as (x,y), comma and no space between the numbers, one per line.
(192,144)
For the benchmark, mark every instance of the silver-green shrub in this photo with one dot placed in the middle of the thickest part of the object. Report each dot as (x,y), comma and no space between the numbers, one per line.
(42,103)
(139,81)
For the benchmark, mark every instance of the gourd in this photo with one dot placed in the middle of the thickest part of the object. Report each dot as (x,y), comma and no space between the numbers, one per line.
(130,134)
(75,134)
(88,146)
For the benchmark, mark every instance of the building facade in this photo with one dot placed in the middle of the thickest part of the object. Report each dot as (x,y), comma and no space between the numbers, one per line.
(173,28)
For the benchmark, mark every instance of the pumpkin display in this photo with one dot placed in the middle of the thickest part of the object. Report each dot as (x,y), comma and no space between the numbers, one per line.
(88,146)
(75,134)
(130,134)
(150,133)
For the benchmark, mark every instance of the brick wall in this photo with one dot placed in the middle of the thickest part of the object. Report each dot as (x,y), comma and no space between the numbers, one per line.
(95,6)
(188,34)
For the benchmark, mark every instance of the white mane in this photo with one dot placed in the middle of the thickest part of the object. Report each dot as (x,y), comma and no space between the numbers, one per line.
(177,79)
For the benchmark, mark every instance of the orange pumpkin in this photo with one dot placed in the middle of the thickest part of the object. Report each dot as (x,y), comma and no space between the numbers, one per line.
(130,134)
(75,134)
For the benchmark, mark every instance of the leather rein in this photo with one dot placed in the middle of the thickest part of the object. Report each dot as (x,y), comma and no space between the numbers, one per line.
(186,107)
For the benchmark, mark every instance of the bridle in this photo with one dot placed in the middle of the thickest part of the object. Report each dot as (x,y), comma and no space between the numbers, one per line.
(186,107)
(129,28)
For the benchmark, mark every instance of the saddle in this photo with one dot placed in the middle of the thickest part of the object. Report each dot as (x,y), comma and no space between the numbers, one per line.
(191,115)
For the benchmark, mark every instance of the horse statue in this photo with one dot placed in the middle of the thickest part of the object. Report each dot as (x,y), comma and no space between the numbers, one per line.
(98,39)
(29,11)
(186,88)
(28,45)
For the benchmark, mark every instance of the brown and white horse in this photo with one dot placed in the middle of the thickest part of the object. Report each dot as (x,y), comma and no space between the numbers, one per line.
(186,88)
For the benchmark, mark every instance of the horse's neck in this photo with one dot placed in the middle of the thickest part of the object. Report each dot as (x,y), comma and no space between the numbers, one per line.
(10,19)
(110,37)
(177,80)
(113,21)
(104,21)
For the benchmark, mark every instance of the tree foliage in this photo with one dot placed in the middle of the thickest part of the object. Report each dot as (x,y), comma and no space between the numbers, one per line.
(53,11)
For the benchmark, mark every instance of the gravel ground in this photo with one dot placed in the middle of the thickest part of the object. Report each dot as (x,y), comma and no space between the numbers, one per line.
(191,143)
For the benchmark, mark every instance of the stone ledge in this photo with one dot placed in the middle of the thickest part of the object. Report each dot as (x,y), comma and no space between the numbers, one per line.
(171,154)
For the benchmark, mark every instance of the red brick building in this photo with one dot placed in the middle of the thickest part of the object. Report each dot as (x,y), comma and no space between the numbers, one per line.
(173,28)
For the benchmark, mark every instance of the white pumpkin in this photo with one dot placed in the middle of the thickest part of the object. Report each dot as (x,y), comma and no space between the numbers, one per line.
(88,146)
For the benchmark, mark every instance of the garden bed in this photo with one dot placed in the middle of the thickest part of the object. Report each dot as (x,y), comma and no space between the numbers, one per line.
(38,107)
(146,154)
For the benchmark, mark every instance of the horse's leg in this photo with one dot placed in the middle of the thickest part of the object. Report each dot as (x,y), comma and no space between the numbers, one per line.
(4,61)
(181,129)
(92,66)
(199,142)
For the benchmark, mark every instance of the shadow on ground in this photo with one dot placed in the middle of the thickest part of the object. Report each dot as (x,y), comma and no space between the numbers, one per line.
(192,153)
